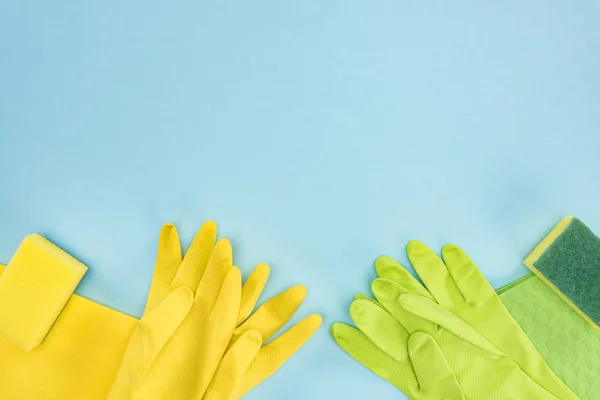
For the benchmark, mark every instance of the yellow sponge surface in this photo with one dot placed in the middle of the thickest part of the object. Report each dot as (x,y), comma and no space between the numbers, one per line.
(78,359)
(34,288)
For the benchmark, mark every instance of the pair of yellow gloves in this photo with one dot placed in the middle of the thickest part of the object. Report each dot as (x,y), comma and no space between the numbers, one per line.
(198,338)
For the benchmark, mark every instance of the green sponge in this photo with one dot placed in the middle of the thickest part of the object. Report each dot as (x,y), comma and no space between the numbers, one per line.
(568,261)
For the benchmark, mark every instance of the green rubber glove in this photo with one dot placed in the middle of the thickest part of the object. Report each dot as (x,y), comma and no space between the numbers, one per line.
(457,285)
(429,353)
(412,363)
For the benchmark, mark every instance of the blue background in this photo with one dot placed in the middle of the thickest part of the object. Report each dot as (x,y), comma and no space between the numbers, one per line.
(319,135)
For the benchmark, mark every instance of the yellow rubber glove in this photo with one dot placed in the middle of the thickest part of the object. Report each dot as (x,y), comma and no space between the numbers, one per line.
(181,339)
(245,364)
(457,285)
(234,380)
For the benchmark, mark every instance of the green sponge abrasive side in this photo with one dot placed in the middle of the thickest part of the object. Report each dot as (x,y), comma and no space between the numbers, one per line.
(568,261)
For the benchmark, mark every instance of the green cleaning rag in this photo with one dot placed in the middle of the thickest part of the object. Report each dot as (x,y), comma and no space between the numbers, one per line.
(570,346)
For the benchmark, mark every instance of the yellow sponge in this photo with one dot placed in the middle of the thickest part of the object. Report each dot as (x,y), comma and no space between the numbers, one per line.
(35,287)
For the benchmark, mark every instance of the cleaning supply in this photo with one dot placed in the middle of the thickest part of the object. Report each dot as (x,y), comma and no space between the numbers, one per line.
(78,358)
(570,346)
(455,282)
(34,289)
(196,340)
(457,285)
(417,367)
(82,352)
(268,319)
(179,343)
(568,261)
(429,353)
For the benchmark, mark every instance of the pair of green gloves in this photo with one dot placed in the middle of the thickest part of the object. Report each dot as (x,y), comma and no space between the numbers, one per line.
(198,338)
(450,338)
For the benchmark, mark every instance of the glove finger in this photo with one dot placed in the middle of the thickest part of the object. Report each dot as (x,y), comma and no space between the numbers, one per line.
(275,313)
(469,280)
(429,310)
(217,327)
(381,328)
(387,294)
(196,258)
(168,261)
(272,356)
(433,273)
(359,347)
(228,379)
(252,290)
(360,296)
(431,368)
(389,268)
(219,265)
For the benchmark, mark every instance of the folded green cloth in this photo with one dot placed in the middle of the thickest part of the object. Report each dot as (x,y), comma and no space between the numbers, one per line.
(570,346)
